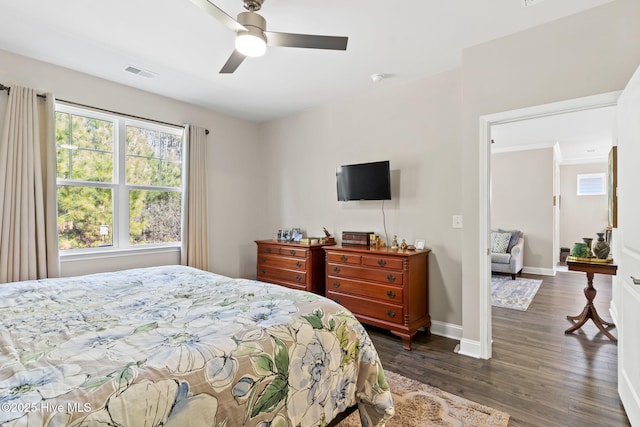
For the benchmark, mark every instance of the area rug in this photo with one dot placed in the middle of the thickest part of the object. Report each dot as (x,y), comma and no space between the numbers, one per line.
(514,294)
(419,405)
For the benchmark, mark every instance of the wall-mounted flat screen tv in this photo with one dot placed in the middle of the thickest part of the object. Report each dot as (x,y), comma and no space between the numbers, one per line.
(364,181)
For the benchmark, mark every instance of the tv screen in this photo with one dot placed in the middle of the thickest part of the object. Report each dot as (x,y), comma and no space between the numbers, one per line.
(364,181)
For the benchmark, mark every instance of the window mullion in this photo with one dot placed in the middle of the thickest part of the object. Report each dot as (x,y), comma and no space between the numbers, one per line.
(122,190)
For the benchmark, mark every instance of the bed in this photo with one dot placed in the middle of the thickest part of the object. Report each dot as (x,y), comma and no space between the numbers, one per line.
(177,346)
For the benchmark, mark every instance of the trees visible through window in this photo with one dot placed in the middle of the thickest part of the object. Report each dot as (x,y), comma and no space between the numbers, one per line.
(119,181)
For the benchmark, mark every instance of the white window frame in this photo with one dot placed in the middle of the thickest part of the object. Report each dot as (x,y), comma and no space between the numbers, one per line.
(119,186)
(582,190)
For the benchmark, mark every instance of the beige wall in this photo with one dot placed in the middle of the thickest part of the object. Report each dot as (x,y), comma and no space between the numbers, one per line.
(589,53)
(234,194)
(580,216)
(414,126)
(522,199)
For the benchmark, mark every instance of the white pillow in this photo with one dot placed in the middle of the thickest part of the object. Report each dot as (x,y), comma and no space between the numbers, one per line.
(500,242)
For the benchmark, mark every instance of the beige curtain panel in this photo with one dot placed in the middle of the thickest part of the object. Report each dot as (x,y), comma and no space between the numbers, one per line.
(28,211)
(195,229)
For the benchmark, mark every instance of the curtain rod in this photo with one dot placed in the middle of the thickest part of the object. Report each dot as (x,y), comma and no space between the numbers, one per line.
(8,89)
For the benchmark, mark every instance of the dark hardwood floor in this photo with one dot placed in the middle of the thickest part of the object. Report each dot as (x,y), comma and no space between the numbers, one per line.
(538,375)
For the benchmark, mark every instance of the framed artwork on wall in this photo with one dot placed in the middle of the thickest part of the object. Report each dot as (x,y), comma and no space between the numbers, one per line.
(613,187)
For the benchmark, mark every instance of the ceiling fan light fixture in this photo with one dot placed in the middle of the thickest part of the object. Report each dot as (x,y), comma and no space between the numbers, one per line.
(251,43)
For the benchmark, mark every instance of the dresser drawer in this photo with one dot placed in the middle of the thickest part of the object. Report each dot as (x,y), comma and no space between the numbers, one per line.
(388,293)
(343,257)
(285,283)
(383,262)
(295,252)
(375,274)
(281,261)
(293,276)
(357,305)
(269,249)
(282,250)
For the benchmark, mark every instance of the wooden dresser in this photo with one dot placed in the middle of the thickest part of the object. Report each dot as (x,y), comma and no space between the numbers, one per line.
(293,265)
(381,287)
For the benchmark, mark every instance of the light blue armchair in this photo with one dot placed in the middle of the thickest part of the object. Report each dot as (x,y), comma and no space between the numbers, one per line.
(510,262)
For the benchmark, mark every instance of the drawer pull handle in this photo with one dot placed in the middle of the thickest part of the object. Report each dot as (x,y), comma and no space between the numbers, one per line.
(391,294)
(292,252)
(382,262)
(337,300)
(298,264)
(336,269)
(263,259)
(263,271)
(391,278)
(344,258)
(298,277)
(268,250)
(391,313)
(336,284)
(635,281)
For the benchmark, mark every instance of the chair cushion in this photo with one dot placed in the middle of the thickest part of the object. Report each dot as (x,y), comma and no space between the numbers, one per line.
(500,258)
(500,242)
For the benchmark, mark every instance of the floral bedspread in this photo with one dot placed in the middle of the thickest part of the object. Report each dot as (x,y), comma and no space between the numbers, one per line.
(176,346)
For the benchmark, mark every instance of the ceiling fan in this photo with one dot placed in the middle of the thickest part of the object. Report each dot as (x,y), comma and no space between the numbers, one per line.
(253,38)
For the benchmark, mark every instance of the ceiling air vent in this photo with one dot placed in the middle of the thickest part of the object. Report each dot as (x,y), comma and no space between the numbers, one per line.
(140,72)
(527,3)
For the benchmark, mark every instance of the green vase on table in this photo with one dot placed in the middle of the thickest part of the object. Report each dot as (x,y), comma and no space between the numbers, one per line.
(580,250)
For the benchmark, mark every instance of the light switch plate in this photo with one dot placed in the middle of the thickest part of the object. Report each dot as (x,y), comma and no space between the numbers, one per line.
(456,221)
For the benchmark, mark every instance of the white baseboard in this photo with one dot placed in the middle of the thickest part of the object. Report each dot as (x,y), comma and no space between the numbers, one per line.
(465,347)
(448,330)
(539,270)
(469,348)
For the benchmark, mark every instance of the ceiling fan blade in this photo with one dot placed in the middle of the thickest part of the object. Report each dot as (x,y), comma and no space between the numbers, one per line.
(306,41)
(220,15)
(232,63)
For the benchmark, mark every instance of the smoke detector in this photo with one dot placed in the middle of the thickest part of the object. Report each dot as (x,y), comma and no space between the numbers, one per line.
(378,77)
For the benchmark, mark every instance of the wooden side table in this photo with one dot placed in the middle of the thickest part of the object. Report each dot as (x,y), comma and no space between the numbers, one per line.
(589,311)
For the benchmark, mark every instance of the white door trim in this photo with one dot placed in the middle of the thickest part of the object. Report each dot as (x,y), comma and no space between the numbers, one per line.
(484,217)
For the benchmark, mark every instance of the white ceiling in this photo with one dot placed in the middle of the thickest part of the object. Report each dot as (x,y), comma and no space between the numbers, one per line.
(582,136)
(186,48)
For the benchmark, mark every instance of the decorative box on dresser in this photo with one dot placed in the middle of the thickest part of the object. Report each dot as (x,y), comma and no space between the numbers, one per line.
(381,287)
(293,265)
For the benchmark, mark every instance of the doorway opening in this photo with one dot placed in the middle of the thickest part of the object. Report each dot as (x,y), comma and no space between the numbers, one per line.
(484,226)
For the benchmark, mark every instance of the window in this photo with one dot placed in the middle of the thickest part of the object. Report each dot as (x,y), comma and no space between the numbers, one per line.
(119,181)
(591,184)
